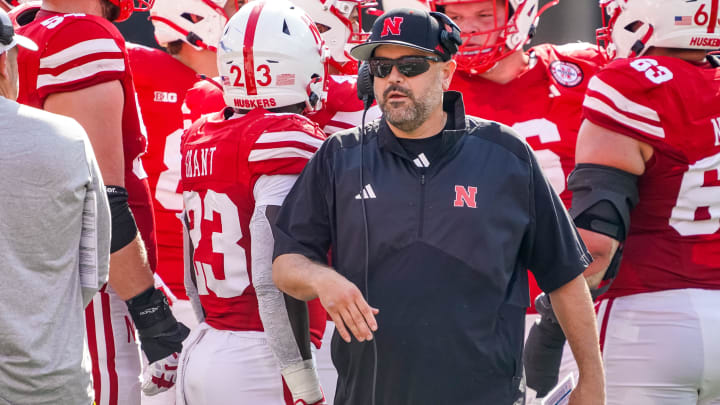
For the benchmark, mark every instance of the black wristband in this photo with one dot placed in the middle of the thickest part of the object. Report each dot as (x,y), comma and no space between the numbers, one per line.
(151,313)
(160,334)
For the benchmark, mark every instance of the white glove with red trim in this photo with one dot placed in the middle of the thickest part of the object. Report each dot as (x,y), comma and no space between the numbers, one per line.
(160,376)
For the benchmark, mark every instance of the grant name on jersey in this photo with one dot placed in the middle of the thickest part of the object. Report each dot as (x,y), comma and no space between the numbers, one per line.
(199,162)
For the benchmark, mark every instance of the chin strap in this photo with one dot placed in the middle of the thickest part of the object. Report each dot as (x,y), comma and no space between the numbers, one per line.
(314,89)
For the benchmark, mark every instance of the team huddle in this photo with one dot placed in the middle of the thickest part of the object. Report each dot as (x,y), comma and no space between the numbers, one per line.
(198,146)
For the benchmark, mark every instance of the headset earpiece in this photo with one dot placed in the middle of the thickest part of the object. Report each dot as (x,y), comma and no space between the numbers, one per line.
(450,39)
(365,90)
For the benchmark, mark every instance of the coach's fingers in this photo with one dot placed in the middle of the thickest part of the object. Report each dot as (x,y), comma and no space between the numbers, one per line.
(340,326)
(368,313)
(355,322)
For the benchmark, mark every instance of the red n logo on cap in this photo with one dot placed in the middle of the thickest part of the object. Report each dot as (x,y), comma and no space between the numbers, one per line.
(391,26)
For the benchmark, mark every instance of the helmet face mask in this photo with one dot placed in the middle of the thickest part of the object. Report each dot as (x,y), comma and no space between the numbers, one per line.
(284,64)
(197,22)
(634,26)
(491,29)
(340,23)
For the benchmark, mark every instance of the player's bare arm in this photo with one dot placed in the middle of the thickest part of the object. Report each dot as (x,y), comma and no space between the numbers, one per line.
(597,145)
(574,310)
(99,110)
(303,279)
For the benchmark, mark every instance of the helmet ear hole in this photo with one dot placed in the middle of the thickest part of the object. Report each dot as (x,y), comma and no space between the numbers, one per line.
(633,26)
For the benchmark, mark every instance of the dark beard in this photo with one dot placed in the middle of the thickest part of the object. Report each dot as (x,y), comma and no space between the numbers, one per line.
(411,118)
(110,11)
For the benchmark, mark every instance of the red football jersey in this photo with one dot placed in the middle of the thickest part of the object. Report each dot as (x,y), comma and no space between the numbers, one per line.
(544,105)
(672,105)
(161,82)
(343,109)
(79,51)
(221,161)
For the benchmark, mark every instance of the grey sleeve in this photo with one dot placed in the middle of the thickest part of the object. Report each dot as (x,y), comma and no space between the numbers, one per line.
(190,287)
(96,228)
(271,302)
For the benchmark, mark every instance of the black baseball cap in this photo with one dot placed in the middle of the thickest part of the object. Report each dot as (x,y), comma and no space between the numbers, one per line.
(8,37)
(409,27)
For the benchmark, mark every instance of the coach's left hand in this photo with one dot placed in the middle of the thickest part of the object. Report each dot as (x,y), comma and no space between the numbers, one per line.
(345,304)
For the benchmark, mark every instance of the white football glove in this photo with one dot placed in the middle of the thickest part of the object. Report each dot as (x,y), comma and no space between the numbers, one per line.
(160,376)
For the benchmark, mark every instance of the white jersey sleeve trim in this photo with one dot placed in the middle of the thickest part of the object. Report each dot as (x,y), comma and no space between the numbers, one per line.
(600,106)
(81,72)
(278,153)
(271,190)
(622,102)
(290,136)
(85,48)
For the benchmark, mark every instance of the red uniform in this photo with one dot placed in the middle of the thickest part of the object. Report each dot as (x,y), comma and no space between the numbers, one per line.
(161,82)
(343,109)
(221,161)
(672,105)
(543,104)
(78,51)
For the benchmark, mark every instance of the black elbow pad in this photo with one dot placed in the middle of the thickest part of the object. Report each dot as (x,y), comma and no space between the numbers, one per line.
(602,199)
(124,229)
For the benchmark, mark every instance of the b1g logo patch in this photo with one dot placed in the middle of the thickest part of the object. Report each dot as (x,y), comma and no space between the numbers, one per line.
(566,73)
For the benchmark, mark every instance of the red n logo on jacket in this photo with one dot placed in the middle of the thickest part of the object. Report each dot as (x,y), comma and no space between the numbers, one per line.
(465,197)
(391,26)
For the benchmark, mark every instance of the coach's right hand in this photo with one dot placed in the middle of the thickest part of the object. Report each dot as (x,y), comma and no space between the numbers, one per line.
(346,305)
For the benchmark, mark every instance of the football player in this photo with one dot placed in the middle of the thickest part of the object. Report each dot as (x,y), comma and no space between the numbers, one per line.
(647,181)
(538,92)
(82,71)
(190,31)
(237,166)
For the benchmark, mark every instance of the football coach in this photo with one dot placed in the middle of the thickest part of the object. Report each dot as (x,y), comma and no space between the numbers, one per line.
(434,218)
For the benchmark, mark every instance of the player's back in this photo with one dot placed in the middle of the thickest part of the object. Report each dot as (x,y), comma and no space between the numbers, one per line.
(79,51)
(674,106)
(222,159)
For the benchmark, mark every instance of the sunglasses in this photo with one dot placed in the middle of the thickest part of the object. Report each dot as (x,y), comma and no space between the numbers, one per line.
(408,66)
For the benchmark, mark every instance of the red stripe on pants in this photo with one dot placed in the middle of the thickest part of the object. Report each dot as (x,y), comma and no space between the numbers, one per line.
(92,346)
(603,327)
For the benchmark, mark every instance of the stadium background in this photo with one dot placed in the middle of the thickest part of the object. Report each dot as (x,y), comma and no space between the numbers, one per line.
(569,21)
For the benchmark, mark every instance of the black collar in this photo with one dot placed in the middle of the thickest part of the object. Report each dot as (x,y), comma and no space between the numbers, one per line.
(453,105)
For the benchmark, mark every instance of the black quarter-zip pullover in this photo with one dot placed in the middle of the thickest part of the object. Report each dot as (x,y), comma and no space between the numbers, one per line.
(450,242)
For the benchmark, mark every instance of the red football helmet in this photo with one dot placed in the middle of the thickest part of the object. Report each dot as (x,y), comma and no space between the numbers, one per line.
(494,30)
(8,5)
(127,7)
